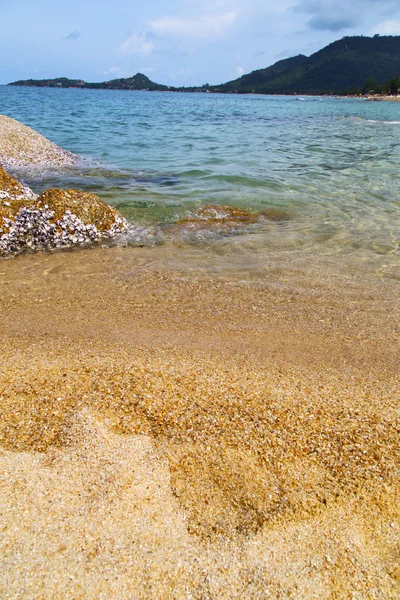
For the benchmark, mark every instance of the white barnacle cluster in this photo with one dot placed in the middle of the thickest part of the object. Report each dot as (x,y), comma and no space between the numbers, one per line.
(35,229)
(19,192)
(73,231)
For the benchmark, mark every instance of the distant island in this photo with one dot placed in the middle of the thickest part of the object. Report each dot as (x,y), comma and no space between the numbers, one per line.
(352,65)
(137,82)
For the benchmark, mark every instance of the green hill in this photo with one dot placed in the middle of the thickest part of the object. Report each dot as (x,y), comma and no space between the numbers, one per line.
(60,82)
(341,67)
(264,77)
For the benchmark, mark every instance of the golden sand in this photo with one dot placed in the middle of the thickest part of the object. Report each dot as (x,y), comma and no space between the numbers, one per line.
(170,433)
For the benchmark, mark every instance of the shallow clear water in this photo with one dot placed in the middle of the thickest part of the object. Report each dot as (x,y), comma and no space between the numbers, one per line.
(331,165)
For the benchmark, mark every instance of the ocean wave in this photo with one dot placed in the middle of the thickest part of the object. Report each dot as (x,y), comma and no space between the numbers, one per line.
(379,121)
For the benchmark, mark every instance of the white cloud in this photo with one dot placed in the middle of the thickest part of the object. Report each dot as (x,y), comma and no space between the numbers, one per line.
(179,74)
(117,73)
(279,8)
(113,71)
(387,28)
(137,43)
(185,73)
(203,27)
(239,71)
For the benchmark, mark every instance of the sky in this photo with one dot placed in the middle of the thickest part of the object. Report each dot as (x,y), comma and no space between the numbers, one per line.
(179,42)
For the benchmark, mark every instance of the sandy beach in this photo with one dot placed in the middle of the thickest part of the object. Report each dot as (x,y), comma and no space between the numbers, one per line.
(382,97)
(168,432)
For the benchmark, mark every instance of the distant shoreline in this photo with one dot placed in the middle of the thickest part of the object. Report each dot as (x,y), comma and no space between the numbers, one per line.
(197,91)
(383,98)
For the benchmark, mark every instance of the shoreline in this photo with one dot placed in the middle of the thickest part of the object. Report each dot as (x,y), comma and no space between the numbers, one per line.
(166,431)
(381,98)
(215,93)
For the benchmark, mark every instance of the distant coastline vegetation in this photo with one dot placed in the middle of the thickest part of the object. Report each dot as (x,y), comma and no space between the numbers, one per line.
(350,66)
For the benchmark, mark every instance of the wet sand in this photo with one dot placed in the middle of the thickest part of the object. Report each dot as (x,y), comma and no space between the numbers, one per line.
(173,430)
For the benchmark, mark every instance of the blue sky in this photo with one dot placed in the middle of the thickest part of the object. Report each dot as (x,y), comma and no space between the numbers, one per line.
(181,42)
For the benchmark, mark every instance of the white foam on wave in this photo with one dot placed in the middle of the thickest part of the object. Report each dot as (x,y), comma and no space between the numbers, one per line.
(365,120)
(135,235)
(380,121)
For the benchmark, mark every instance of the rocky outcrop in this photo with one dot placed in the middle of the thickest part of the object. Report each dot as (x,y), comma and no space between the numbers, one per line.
(59,219)
(21,146)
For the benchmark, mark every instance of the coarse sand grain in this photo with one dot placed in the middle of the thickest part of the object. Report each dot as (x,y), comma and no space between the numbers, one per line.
(167,433)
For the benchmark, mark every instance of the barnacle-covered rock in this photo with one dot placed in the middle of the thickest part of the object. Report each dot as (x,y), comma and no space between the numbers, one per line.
(89,208)
(59,219)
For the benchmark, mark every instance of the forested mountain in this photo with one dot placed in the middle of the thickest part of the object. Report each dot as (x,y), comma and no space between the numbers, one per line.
(342,67)
(263,77)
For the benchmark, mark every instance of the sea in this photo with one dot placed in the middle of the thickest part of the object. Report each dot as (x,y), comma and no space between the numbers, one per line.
(245,178)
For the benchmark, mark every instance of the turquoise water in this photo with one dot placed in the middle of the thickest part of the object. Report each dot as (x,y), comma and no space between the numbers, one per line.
(331,166)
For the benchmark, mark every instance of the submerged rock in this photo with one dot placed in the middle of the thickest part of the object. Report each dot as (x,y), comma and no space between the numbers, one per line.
(21,146)
(59,219)
(214,219)
(213,212)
